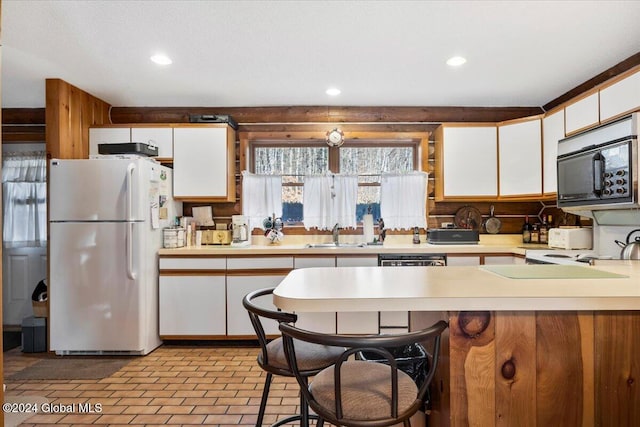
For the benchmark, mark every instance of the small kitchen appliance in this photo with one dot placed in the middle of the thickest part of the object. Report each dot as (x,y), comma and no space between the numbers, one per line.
(571,238)
(598,168)
(452,236)
(241,235)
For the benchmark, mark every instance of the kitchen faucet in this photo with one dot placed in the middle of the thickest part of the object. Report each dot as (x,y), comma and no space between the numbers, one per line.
(336,233)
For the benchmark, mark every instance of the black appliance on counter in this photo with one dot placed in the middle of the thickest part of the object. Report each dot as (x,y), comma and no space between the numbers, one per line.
(452,236)
(397,260)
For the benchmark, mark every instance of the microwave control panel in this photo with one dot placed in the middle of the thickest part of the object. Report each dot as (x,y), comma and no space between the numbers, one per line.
(616,174)
(616,183)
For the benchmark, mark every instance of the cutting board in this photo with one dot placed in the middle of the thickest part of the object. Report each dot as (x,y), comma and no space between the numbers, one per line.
(550,272)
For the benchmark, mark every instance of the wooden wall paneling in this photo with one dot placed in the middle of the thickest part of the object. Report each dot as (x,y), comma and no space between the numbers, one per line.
(563,347)
(69,113)
(472,368)
(617,372)
(23,116)
(321,114)
(587,347)
(515,369)
(439,395)
(75,125)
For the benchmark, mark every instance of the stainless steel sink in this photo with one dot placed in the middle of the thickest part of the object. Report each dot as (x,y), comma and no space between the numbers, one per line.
(333,245)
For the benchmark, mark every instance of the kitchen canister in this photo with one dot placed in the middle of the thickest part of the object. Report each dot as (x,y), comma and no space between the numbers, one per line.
(173,237)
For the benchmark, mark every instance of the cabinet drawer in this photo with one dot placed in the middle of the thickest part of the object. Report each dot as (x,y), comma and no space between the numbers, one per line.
(357,261)
(193,263)
(303,262)
(394,319)
(258,263)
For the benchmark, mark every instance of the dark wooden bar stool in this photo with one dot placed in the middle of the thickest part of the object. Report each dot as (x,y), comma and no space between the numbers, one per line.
(312,358)
(358,393)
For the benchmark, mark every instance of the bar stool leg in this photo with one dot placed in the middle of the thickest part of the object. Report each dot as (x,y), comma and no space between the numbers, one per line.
(263,401)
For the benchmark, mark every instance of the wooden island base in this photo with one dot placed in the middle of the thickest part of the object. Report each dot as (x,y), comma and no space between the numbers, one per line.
(537,368)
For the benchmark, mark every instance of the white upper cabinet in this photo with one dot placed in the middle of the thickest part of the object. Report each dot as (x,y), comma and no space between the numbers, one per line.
(552,132)
(621,97)
(204,163)
(107,135)
(582,114)
(520,158)
(161,137)
(467,162)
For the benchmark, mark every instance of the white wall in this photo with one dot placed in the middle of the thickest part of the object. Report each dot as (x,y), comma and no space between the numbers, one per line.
(605,235)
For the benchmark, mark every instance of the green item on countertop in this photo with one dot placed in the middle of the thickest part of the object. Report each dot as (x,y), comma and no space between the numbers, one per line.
(550,272)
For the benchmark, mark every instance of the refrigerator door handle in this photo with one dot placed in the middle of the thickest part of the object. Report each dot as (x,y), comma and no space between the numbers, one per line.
(130,169)
(130,273)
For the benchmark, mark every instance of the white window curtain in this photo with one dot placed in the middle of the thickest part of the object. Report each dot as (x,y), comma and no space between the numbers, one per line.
(403,200)
(24,192)
(261,197)
(330,200)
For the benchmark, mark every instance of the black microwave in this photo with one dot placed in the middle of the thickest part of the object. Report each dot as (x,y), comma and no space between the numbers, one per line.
(599,175)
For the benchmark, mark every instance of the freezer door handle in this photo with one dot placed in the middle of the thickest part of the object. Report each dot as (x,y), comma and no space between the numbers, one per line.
(130,170)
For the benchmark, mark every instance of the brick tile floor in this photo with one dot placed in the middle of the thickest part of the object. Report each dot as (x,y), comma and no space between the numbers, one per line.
(174,385)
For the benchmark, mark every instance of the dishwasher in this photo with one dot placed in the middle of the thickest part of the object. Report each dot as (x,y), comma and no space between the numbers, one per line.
(391,322)
(412,359)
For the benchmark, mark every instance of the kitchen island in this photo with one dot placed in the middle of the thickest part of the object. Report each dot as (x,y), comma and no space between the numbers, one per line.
(527,351)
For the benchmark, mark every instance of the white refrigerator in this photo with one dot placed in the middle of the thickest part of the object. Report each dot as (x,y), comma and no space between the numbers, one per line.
(105,228)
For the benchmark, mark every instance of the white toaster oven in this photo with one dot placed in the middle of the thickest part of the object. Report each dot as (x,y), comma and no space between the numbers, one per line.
(571,238)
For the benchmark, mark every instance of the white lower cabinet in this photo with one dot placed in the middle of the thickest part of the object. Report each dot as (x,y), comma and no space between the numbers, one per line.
(317,322)
(238,323)
(502,260)
(357,322)
(192,305)
(462,260)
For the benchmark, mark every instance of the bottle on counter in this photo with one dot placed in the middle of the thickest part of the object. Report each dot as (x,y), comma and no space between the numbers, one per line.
(544,231)
(535,234)
(416,235)
(526,230)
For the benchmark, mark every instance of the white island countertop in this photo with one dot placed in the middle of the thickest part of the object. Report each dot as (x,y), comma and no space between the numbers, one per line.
(460,288)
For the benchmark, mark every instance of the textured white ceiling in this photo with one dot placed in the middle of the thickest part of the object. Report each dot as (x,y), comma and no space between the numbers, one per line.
(281,53)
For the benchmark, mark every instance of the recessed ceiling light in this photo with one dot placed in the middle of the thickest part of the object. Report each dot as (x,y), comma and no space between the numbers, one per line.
(333,91)
(456,61)
(161,59)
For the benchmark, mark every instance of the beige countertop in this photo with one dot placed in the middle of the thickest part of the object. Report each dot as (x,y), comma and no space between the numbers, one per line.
(296,245)
(456,289)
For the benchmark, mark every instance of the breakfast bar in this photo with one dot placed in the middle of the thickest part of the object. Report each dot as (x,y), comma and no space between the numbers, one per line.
(526,345)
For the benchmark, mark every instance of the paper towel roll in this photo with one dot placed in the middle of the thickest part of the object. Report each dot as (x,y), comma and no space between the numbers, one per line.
(367,226)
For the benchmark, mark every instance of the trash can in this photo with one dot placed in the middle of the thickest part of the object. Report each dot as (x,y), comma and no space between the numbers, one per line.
(34,334)
(411,359)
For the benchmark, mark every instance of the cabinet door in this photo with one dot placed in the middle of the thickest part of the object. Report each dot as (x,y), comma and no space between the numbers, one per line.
(357,322)
(238,323)
(552,132)
(469,161)
(453,260)
(520,158)
(107,136)
(620,98)
(203,163)
(192,305)
(318,322)
(500,260)
(582,114)
(160,137)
